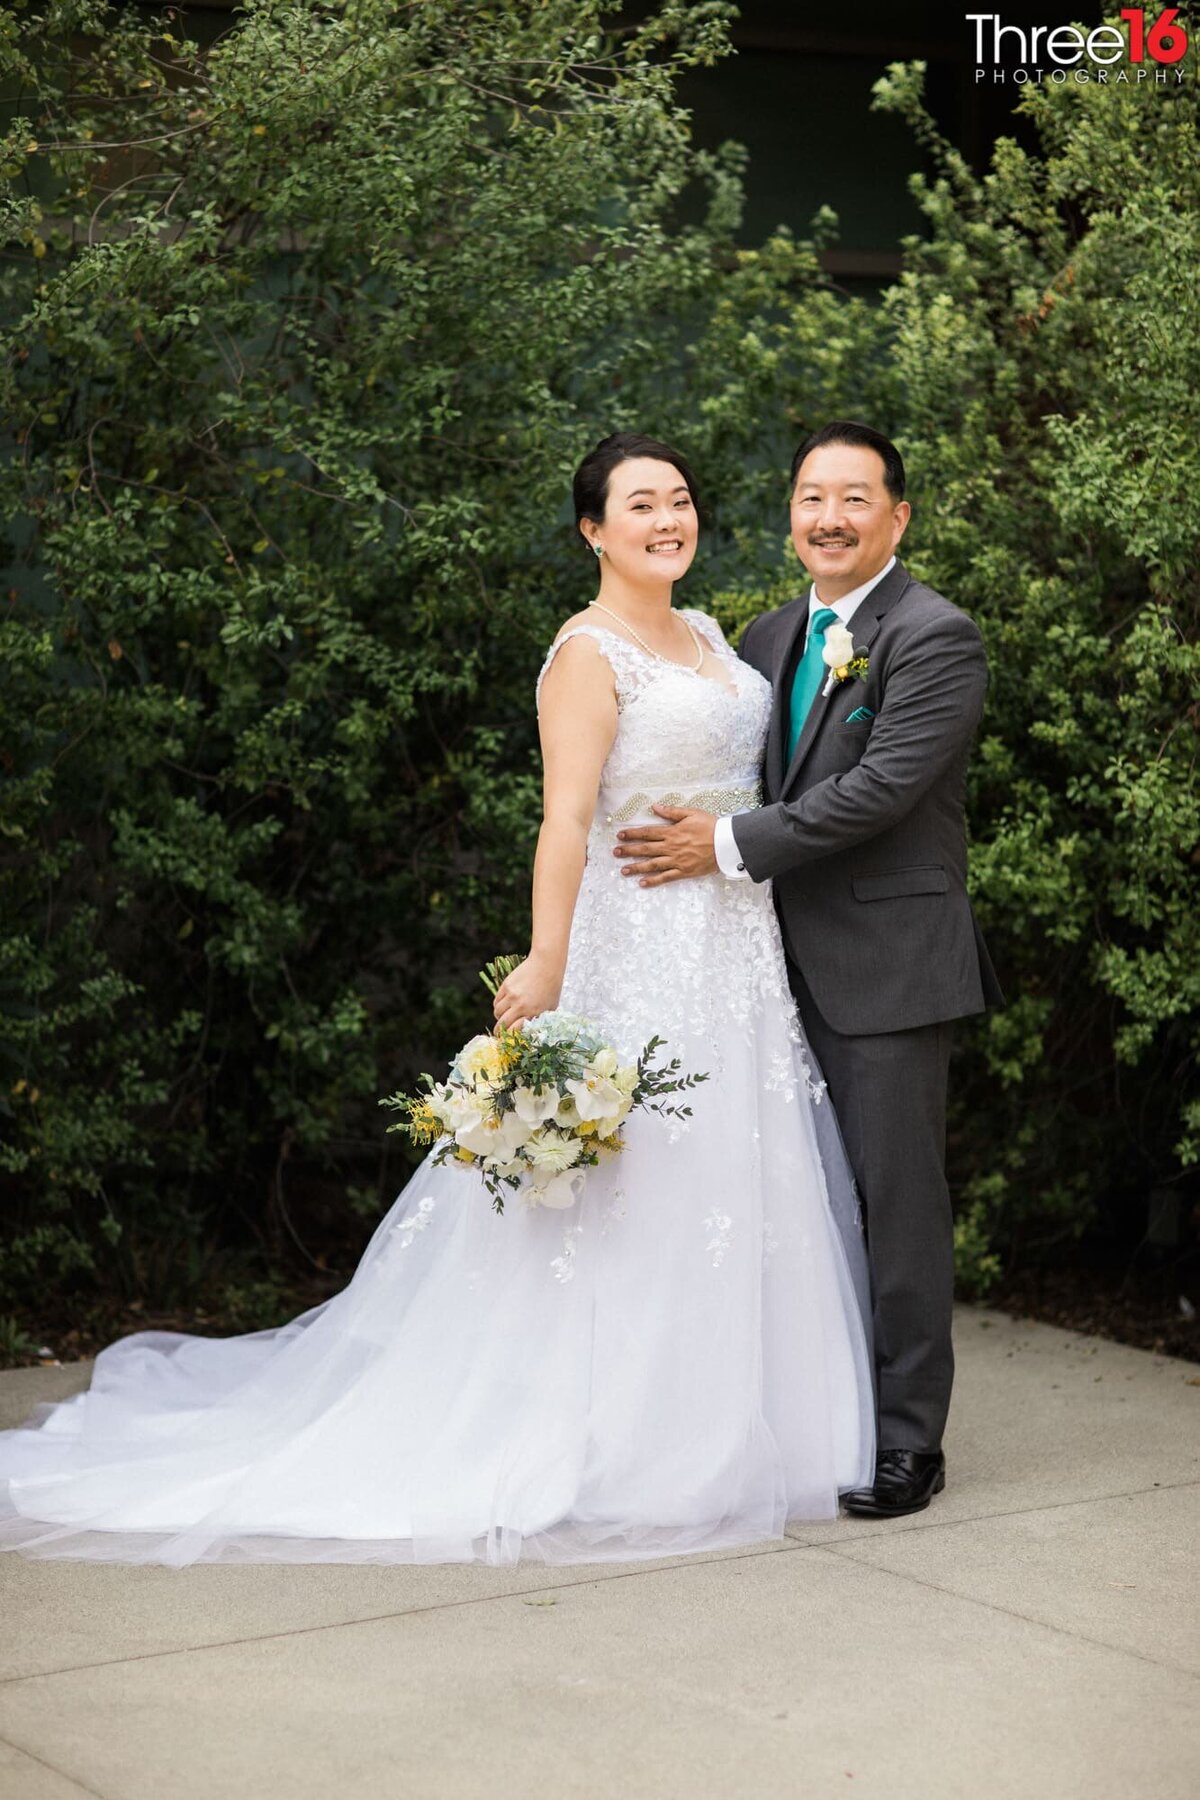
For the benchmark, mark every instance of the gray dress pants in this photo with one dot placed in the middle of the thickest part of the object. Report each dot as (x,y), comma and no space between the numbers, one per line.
(889,1093)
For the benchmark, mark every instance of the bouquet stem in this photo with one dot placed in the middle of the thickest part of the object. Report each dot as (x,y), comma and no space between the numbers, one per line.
(493,973)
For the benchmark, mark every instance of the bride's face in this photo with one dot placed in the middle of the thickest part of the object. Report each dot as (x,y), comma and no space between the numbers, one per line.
(649,527)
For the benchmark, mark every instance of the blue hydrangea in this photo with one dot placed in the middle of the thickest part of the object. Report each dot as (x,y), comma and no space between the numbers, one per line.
(559,1027)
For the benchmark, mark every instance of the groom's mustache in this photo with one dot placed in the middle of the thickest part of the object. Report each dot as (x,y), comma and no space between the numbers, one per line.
(832,537)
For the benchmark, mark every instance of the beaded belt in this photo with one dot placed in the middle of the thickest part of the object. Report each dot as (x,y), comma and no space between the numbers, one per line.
(713,800)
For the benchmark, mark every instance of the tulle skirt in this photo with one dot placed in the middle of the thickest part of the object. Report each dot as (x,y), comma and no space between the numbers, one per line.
(678,1363)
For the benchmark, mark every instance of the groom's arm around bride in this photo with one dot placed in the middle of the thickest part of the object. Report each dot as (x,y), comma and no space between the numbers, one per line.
(879,685)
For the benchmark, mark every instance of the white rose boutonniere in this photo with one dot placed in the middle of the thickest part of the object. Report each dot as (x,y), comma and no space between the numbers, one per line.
(839,658)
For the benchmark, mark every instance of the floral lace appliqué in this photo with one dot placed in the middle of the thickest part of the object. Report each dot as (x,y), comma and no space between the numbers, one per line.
(781,1076)
(720,1226)
(614,1212)
(563,1266)
(406,1230)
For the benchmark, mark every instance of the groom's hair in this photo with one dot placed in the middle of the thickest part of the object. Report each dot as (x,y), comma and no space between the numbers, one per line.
(864,437)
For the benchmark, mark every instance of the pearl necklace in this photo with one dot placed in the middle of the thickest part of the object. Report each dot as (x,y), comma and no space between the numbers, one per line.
(649,649)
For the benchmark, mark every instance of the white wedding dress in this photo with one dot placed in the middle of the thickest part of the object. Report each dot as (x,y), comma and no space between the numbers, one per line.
(678,1363)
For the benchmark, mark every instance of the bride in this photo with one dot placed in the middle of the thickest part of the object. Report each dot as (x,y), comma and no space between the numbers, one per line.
(677,1363)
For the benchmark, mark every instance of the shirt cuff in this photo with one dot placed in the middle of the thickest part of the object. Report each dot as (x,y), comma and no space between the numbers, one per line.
(726,851)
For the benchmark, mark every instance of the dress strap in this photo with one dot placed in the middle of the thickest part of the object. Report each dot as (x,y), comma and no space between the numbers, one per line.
(708,628)
(624,659)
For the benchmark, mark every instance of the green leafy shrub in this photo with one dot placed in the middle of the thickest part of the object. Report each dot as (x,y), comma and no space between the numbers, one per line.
(1045,343)
(303,335)
(308,331)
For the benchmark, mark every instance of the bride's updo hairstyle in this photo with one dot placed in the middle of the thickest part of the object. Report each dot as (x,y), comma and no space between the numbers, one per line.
(590,488)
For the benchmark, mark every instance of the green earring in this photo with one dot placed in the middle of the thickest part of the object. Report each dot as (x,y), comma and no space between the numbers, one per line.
(599,549)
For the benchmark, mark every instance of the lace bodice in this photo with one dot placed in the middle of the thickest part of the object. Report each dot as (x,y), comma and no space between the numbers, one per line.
(677,1363)
(683,738)
(689,958)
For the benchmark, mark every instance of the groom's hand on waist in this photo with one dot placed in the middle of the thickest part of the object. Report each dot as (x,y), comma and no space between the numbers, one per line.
(677,850)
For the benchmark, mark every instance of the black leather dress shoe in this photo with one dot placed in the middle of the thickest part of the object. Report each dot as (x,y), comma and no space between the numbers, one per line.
(905,1482)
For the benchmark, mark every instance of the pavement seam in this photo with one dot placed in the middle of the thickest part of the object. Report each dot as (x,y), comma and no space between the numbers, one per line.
(1015,1512)
(1012,1612)
(786,1547)
(53,1768)
(676,1566)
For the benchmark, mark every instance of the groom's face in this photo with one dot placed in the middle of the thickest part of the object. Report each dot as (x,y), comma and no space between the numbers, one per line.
(845,524)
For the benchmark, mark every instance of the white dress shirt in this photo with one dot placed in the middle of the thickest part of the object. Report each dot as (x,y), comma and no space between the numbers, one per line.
(724,845)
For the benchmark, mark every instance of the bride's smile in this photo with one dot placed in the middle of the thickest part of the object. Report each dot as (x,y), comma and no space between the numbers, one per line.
(677,1361)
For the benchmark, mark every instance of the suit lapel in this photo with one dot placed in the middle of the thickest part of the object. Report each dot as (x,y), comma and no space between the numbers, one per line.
(864,627)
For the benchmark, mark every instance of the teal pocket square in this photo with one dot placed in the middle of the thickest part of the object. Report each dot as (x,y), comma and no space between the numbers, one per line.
(859,716)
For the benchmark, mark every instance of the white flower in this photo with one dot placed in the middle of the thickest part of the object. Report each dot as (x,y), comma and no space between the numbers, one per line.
(468,1058)
(462,1113)
(548,1151)
(481,1060)
(559,1193)
(608,1122)
(596,1097)
(441,1104)
(839,647)
(604,1062)
(499,1139)
(568,1116)
(535,1104)
(626,1080)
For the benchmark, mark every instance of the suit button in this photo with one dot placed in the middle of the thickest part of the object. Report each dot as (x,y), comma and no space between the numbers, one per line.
(741,868)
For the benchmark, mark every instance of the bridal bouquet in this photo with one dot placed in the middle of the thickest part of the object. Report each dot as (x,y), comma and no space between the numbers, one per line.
(539,1105)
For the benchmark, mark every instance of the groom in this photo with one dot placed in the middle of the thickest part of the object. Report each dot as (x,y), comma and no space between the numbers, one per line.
(863,834)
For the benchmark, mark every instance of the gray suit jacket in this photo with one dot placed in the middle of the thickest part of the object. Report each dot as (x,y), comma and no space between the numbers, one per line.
(864,833)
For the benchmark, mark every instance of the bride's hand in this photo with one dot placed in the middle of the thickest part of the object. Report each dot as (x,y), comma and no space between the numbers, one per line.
(533,987)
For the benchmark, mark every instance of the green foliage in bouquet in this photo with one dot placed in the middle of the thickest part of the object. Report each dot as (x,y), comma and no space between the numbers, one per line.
(303,333)
(537,1103)
(302,336)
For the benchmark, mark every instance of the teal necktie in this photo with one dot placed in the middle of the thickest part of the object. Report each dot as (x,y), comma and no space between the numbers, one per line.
(808,676)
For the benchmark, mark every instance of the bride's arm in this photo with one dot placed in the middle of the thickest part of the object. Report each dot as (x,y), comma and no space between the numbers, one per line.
(578,720)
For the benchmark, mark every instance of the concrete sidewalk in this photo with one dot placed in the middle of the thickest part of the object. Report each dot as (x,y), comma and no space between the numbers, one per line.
(1033,1635)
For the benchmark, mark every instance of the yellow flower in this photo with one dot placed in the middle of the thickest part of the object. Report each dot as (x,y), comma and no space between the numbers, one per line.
(465,1155)
(423,1122)
(487,1058)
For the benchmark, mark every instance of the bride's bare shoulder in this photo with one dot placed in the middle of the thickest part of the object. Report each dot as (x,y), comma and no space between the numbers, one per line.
(579,663)
(576,619)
